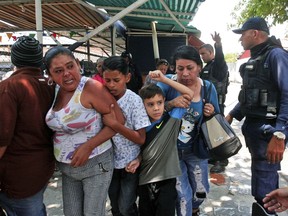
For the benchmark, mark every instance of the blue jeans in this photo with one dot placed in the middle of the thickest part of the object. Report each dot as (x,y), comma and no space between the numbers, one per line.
(193,185)
(32,206)
(265,177)
(123,193)
(85,188)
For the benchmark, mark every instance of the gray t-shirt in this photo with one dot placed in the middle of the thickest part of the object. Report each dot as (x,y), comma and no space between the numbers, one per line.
(160,155)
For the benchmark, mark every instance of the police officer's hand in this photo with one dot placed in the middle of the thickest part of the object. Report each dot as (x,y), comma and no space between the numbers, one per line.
(216,37)
(275,150)
(229,118)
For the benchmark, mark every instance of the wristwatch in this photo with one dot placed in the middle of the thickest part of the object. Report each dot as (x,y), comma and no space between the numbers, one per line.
(279,135)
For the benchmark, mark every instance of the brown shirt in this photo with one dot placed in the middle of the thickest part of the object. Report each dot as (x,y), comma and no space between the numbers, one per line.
(28,162)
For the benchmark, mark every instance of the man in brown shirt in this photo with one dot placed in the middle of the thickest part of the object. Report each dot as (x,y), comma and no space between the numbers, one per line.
(26,148)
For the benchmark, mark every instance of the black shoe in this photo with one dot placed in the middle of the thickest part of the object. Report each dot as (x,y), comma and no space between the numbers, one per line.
(217,168)
(224,162)
(196,212)
(258,210)
(212,161)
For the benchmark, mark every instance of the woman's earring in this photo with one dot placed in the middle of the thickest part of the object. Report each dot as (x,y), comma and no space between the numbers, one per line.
(50,81)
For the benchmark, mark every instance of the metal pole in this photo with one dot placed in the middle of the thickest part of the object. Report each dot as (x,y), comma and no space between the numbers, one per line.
(155,40)
(39,27)
(113,39)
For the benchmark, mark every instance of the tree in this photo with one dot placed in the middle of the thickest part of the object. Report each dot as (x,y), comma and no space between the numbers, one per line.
(231,57)
(274,10)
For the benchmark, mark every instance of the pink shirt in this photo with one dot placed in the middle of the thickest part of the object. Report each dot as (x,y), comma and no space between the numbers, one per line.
(98,78)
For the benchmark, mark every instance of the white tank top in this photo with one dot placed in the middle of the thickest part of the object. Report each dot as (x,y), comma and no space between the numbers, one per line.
(74,125)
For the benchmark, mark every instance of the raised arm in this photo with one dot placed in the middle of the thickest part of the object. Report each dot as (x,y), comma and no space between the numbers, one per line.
(160,77)
(220,67)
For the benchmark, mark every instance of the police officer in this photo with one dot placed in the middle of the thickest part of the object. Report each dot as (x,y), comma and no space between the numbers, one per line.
(263,100)
(216,71)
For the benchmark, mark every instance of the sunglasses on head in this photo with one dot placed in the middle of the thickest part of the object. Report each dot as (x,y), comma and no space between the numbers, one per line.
(163,62)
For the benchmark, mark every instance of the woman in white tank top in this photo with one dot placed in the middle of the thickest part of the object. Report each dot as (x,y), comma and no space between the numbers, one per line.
(82,143)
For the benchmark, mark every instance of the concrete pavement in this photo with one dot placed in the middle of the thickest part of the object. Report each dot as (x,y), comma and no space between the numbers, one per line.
(230,191)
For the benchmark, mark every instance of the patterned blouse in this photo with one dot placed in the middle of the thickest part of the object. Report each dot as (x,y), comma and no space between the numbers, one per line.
(136,118)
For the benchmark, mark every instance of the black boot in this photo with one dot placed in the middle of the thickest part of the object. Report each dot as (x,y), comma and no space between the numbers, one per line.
(196,211)
(217,168)
(258,210)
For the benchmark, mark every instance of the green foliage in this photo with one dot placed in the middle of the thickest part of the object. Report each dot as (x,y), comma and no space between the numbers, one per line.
(231,57)
(274,10)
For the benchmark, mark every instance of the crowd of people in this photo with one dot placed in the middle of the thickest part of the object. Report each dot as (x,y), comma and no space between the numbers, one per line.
(118,136)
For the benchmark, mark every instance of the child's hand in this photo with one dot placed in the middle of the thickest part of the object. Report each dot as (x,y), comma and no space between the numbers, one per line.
(157,75)
(133,165)
(110,119)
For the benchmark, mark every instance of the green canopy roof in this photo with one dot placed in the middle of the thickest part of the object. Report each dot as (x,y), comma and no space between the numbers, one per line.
(171,15)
